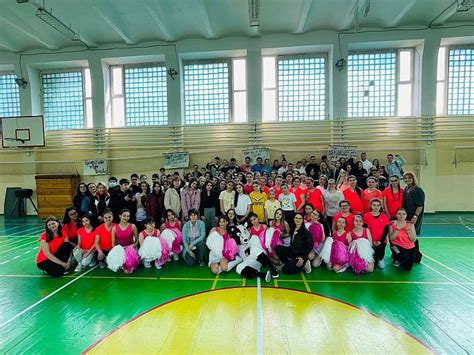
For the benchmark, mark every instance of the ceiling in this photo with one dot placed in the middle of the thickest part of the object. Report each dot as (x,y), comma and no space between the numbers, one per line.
(101,22)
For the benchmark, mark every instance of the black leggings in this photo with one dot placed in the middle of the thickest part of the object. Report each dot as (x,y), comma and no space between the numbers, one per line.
(379,251)
(51,268)
(328,226)
(406,257)
(251,273)
(288,257)
(290,218)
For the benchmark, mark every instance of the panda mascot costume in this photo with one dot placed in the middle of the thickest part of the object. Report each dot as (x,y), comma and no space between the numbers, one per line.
(252,254)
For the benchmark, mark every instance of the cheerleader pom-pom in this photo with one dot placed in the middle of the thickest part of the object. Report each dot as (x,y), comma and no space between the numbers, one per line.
(230,249)
(364,249)
(165,252)
(150,249)
(357,264)
(316,231)
(131,259)
(275,239)
(169,236)
(326,250)
(116,258)
(339,253)
(176,246)
(215,243)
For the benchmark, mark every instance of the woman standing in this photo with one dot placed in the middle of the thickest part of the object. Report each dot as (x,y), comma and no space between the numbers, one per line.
(209,206)
(102,198)
(173,196)
(190,198)
(82,200)
(414,205)
(242,204)
(295,256)
(55,250)
(393,197)
(354,195)
(155,203)
(288,204)
(370,193)
(332,198)
(378,223)
(343,181)
(324,170)
(403,238)
(140,197)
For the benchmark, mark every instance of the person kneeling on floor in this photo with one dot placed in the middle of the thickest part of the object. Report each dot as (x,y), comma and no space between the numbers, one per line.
(194,240)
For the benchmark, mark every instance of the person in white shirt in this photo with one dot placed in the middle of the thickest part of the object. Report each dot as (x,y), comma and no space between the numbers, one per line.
(366,164)
(283,168)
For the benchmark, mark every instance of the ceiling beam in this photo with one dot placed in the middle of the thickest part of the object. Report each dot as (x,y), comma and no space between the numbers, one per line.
(254,31)
(348,19)
(445,15)
(8,45)
(158,22)
(303,16)
(399,16)
(114,26)
(23,28)
(206,19)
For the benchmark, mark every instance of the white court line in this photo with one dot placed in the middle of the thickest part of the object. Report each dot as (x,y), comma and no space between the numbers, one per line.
(19,241)
(259,318)
(25,231)
(465,225)
(16,257)
(4,262)
(2,252)
(28,251)
(45,298)
(445,238)
(468,290)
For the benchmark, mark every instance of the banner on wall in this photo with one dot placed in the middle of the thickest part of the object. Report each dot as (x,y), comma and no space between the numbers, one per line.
(253,154)
(176,160)
(95,167)
(335,152)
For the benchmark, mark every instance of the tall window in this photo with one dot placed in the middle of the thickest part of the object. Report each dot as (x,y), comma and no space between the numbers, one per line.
(294,88)
(9,95)
(215,92)
(139,95)
(67,99)
(380,84)
(455,81)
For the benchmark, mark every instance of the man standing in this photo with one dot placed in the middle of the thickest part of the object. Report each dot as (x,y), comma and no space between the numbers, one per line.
(394,166)
(259,166)
(366,164)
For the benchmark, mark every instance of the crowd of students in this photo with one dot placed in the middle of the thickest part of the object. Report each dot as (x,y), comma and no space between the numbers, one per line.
(307,214)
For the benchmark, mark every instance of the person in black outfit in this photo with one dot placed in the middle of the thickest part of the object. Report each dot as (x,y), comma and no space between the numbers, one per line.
(295,256)
(134,185)
(209,207)
(113,185)
(414,204)
(121,199)
(82,200)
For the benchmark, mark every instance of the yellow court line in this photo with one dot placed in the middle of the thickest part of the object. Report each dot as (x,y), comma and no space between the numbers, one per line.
(275,282)
(186,279)
(214,284)
(244,281)
(446,267)
(306,284)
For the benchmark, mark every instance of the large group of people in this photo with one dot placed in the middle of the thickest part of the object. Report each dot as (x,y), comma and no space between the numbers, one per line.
(276,217)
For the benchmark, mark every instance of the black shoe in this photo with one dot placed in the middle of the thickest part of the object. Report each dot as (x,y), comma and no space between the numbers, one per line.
(275,274)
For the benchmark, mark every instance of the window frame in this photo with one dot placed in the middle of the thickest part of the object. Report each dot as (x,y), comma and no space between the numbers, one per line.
(84,98)
(12,72)
(446,77)
(398,81)
(230,87)
(277,57)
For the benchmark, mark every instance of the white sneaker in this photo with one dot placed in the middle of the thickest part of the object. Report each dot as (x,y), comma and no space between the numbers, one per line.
(268,276)
(93,263)
(381,264)
(342,270)
(147,264)
(102,264)
(158,266)
(396,263)
(307,267)
(78,268)
(175,257)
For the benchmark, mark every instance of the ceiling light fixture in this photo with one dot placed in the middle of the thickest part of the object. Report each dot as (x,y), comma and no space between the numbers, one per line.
(57,24)
(254,13)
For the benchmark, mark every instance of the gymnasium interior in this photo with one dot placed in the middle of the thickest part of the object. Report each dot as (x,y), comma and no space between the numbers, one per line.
(91,89)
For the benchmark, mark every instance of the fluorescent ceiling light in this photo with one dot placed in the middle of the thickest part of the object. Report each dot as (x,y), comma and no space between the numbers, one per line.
(57,24)
(254,13)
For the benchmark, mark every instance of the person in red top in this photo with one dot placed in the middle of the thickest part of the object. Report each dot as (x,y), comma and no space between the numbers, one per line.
(354,195)
(54,251)
(402,237)
(393,197)
(71,223)
(299,194)
(377,222)
(277,186)
(103,237)
(370,193)
(85,251)
(346,214)
(314,196)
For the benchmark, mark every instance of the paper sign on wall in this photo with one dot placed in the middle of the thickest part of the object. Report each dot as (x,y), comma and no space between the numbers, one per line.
(253,154)
(176,160)
(95,167)
(341,151)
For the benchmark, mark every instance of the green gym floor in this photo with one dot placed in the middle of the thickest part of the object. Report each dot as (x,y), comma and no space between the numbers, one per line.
(433,303)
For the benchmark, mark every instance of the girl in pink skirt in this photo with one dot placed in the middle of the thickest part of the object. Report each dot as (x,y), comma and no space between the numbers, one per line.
(171,231)
(317,232)
(335,249)
(361,254)
(125,241)
(153,247)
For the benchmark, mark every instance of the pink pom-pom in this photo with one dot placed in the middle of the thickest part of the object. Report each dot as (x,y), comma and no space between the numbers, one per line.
(339,253)
(177,242)
(165,252)
(358,264)
(316,231)
(131,259)
(230,249)
(276,239)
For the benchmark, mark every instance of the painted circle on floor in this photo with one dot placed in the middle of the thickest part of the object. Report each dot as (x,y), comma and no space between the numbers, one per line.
(225,321)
